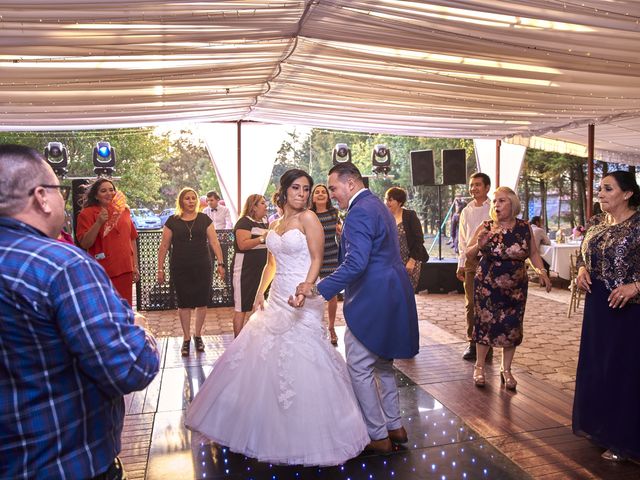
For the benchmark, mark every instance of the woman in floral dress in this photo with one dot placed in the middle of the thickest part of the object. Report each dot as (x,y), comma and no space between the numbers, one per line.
(500,286)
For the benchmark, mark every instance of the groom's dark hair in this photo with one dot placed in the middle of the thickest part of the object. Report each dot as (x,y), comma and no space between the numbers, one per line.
(346,169)
(287,179)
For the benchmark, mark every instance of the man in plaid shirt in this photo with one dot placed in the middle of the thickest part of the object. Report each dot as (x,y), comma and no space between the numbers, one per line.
(69,346)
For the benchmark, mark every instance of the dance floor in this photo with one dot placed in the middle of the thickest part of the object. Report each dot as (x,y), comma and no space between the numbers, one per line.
(456,431)
(440,443)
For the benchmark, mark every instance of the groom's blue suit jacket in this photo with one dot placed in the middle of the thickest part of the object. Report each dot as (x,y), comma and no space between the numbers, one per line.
(379,303)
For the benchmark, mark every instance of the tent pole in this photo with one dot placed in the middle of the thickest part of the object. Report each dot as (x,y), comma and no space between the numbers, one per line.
(497,179)
(591,135)
(239,157)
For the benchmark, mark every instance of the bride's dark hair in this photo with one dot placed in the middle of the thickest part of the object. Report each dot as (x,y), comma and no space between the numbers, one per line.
(287,179)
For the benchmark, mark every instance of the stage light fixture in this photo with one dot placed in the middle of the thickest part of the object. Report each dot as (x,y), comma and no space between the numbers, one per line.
(341,153)
(55,153)
(104,159)
(381,159)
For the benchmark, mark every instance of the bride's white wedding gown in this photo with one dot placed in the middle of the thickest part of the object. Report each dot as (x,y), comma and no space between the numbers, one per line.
(280,392)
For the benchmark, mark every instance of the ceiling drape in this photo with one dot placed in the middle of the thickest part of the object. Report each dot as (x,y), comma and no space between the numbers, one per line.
(473,68)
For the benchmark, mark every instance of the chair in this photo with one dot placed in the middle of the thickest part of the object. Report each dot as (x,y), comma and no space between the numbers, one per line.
(576,293)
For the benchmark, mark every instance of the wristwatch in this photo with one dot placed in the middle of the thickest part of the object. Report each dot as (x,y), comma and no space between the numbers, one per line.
(261,239)
(314,290)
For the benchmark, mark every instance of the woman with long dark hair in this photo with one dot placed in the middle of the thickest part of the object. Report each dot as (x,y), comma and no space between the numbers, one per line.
(331,225)
(105,229)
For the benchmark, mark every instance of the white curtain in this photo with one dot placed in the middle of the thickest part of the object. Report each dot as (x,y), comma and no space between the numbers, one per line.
(259,144)
(439,68)
(511,158)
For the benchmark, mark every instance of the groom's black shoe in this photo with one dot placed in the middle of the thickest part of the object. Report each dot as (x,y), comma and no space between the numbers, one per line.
(379,446)
(398,435)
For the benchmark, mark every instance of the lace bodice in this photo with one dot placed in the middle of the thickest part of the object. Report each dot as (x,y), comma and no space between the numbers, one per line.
(292,258)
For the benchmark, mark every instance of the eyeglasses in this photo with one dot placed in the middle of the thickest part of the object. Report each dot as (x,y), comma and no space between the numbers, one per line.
(64,190)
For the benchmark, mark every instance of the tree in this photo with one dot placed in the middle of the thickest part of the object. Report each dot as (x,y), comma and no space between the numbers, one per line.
(188,165)
(293,153)
(314,154)
(139,153)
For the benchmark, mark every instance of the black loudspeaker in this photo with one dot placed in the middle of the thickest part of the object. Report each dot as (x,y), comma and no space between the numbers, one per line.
(439,276)
(423,170)
(78,187)
(454,167)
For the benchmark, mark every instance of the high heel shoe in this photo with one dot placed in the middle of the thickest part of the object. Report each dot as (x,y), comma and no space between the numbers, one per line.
(611,456)
(334,337)
(478,376)
(508,380)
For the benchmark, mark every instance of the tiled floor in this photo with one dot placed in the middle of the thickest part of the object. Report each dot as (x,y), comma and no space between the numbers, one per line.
(455,430)
(440,444)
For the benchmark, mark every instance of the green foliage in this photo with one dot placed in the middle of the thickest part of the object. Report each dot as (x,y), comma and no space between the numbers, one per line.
(313,153)
(547,173)
(139,153)
(293,153)
(188,165)
(152,167)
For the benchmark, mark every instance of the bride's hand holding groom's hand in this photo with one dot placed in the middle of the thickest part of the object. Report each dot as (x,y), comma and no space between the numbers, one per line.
(303,290)
(297,301)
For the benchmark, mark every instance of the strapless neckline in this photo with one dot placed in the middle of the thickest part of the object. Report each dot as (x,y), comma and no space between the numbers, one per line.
(290,230)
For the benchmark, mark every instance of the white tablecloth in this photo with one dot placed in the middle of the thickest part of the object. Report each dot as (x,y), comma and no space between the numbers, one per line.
(558,256)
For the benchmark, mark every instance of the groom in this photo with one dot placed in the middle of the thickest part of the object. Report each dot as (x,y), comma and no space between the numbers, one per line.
(379,304)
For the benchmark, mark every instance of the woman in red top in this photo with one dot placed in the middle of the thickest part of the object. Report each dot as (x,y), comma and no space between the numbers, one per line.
(106,231)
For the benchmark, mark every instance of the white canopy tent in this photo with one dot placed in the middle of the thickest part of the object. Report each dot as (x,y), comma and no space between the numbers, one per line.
(529,70)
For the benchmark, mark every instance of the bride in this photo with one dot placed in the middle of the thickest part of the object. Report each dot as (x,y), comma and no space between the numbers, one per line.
(281,393)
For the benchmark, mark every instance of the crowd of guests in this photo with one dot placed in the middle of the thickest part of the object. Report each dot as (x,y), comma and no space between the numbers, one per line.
(78,304)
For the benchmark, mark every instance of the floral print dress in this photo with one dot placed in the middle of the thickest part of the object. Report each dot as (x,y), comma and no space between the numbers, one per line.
(500,286)
(414,276)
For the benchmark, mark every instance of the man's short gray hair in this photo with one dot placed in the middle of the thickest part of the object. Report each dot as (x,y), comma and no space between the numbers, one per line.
(21,169)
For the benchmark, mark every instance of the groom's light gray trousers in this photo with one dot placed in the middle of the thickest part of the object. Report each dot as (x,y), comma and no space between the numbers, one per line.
(374,384)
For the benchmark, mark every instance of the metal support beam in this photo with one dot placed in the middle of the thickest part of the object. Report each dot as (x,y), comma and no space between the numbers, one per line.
(239,158)
(590,149)
(497,179)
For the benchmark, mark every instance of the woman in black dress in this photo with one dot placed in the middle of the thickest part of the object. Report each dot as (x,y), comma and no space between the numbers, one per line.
(410,234)
(328,216)
(190,235)
(250,257)
(606,406)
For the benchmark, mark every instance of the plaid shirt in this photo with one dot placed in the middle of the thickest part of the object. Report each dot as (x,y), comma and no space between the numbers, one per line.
(68,353)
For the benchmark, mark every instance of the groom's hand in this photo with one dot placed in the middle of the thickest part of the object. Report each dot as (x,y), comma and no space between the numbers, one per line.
(304,289)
